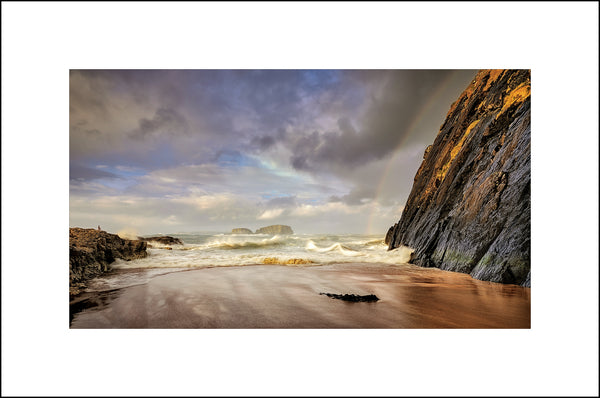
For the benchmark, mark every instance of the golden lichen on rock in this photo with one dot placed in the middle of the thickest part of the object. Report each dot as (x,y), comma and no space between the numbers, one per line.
(494,74)
(441,173)
(516,96)
(459,146)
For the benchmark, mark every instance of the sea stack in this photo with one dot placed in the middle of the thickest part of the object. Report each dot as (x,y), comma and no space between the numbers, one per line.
(241,231)
(275,230)
(469,207)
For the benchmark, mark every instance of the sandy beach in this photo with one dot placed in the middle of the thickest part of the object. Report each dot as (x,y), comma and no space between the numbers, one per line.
(273,296)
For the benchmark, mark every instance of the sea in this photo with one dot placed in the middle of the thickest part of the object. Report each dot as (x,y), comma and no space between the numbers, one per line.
(163,290)
(203,250)
(209,250)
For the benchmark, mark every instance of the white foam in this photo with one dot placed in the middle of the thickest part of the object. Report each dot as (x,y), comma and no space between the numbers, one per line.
(235,250)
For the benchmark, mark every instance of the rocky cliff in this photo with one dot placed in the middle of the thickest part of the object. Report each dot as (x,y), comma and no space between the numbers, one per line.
(91,252)
(275,230)
(469,208)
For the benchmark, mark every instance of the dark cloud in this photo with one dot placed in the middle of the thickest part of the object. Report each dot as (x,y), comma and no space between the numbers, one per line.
(395,101)
(165,121)
(358,116)
(262,142)
(357,196)
(256,134)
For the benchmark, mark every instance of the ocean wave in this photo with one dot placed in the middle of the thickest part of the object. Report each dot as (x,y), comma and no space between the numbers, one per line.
(235,250)
(375,242)
(311,246)
(230,243)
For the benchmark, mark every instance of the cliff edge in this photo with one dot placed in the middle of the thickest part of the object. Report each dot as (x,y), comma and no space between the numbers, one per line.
(469,209)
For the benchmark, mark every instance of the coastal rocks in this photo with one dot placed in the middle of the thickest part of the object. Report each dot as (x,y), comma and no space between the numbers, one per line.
(164,240)
(352,297)
(469,208)
(92,251)
(389,234)
(241,231)
(275,230)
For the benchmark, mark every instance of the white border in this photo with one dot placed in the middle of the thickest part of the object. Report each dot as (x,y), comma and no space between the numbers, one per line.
(558,41)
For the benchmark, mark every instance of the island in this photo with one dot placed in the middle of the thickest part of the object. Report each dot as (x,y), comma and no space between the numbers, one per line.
(241,231)
(271,229)
(275,230)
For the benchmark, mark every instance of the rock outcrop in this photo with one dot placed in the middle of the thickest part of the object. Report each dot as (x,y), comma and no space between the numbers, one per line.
(241,231)
(275,230)
(92,251)
(469,208)
(163,240)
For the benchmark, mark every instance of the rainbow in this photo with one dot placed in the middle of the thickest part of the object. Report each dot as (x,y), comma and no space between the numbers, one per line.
(419,116)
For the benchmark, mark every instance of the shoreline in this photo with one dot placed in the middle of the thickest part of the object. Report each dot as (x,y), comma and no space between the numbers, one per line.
(277,296)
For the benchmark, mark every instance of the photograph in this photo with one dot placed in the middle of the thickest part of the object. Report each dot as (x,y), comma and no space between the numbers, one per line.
(299,198)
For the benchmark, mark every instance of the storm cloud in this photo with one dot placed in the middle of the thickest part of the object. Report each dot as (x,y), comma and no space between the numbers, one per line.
(280,144)
(394,102)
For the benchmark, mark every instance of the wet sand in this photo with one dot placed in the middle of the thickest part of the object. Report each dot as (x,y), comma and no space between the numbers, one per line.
(272,296)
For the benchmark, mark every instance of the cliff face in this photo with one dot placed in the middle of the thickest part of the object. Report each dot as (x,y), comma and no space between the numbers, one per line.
(469,208)
(275,230)
(91,252)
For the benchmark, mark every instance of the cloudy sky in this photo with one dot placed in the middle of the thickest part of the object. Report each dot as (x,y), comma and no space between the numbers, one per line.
(324,151)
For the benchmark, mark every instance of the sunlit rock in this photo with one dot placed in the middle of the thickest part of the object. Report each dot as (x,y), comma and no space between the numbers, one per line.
(469,208)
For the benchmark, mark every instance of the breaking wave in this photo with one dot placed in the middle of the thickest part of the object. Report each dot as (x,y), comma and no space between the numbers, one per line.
(220,250)
(229,243)
(311,246)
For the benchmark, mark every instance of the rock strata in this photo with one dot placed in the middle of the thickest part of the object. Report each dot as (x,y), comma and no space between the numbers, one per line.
(275,230)
(92,251)
(469,208)
(164,240)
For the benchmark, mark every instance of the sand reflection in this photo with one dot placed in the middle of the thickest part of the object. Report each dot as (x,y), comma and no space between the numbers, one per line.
(288,297)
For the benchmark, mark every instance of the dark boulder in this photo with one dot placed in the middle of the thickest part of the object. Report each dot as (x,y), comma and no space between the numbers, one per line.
(389,235)
(355,298)
(164,240)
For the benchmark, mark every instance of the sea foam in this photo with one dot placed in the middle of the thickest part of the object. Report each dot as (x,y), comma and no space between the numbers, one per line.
(218,250)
